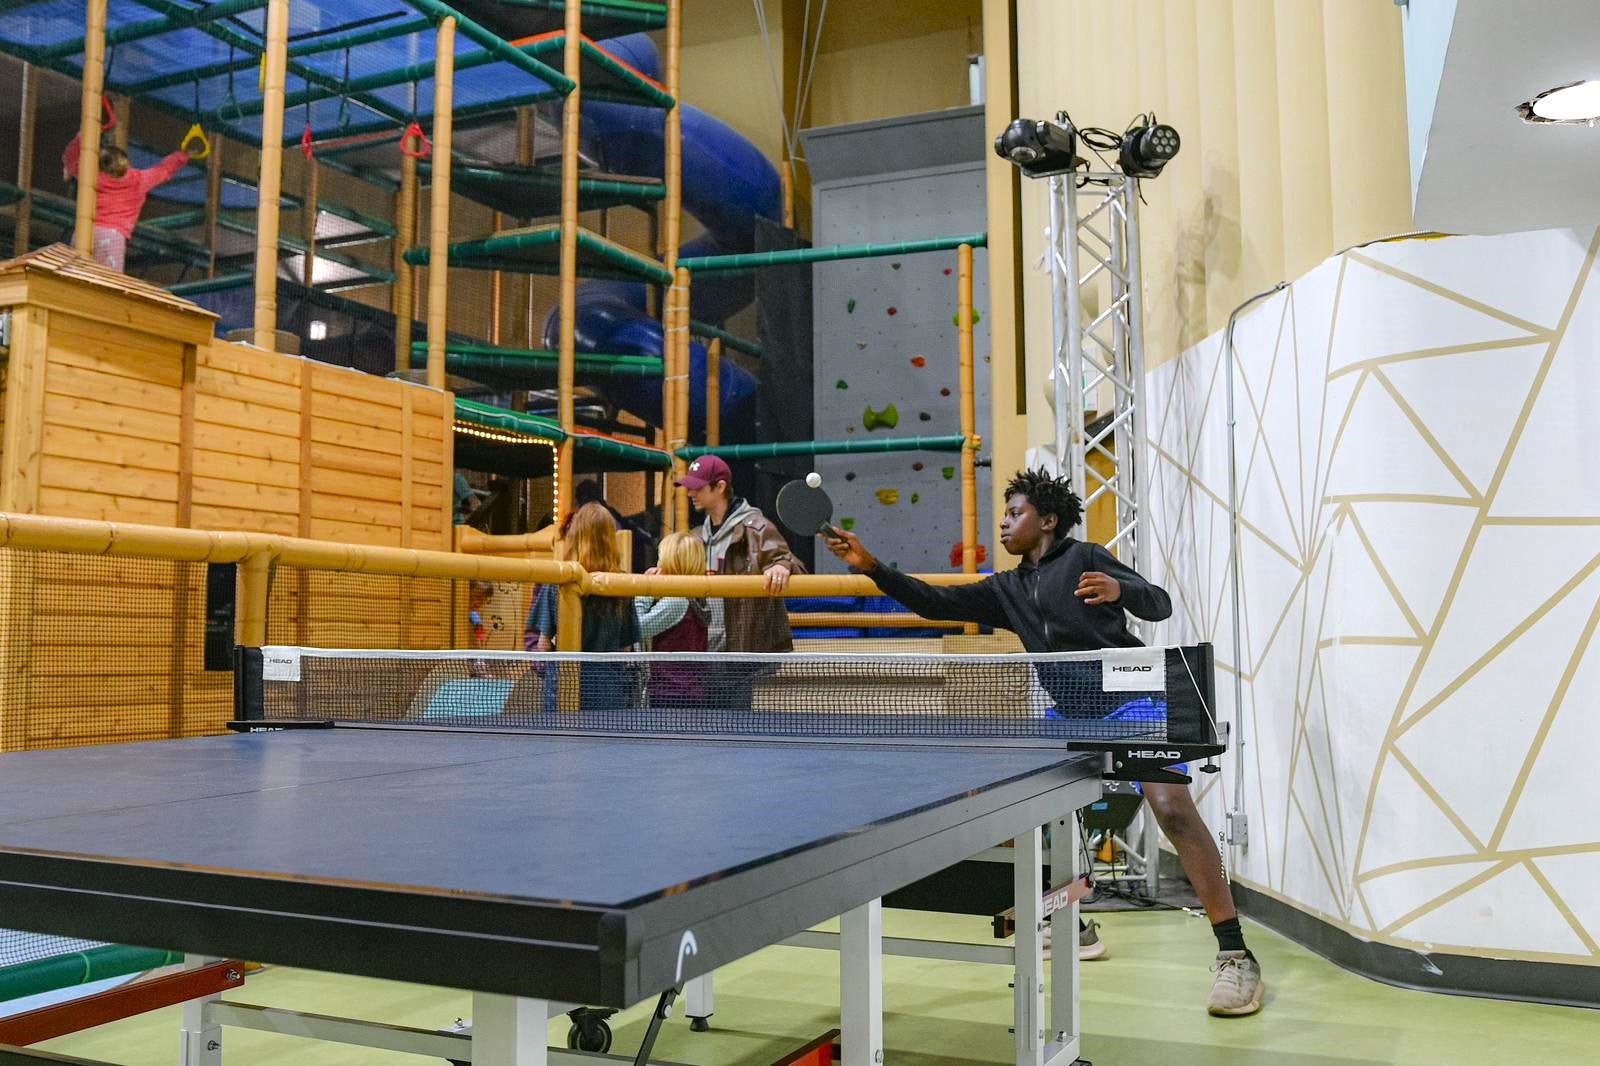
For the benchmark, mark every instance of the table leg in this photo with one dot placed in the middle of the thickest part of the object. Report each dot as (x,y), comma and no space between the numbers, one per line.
(1064,837)
(1028,982)
(861,984)
(509,1030)
(200,1039)
(700,1001)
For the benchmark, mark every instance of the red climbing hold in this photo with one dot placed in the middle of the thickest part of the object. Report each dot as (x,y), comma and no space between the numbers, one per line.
(894,311)
(947,272)
(918,361)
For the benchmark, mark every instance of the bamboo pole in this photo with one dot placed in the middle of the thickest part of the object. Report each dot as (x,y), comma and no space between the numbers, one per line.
(403,297)
(94,72)
(308,233)
(969,428)
(28,122)
(680,403)
(671,239)
(270,185)
(82,536)
(568,353)
(439,210)
(496,288)
(213,203)
(714,393)
(525,158)
(669,399)
(255,586)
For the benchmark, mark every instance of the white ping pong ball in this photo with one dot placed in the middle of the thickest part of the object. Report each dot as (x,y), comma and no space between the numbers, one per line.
(814,480)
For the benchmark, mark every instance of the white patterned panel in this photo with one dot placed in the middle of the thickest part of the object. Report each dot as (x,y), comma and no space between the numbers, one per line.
(1420,561)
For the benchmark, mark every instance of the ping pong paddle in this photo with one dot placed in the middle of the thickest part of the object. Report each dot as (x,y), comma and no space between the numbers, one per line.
(805,510)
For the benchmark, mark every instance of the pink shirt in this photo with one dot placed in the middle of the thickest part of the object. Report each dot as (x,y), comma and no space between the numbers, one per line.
(120,200)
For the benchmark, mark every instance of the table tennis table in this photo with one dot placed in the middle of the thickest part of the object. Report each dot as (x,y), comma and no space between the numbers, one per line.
(467,820)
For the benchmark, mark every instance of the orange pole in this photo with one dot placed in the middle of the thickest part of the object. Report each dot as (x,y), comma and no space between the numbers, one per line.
(94,73)
(270,184)
(969,421)
(124,112)
(714,393)
(568,353)
(671,236)
(444,94)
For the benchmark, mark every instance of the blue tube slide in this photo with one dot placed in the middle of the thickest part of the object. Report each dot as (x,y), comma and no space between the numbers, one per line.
(727,182)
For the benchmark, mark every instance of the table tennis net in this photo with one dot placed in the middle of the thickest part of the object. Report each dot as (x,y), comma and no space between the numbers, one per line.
(1155,693)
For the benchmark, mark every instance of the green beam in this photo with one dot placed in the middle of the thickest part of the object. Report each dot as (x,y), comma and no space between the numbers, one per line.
(138,31)
(496,44)
(617,69)
(707,264)
(463,358)
(645,16)
(707,331)
(80,968)
(953,443)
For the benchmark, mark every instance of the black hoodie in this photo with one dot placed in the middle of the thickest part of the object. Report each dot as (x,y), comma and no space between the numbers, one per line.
(1039,603)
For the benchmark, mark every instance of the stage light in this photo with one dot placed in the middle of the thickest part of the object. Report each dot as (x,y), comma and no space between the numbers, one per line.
(1575,103)
(1147,147)
(1039,147)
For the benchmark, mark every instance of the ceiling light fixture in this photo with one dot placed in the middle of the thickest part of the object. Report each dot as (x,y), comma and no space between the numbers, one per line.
(1577,103)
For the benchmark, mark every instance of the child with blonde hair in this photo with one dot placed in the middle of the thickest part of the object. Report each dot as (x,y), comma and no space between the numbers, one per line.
(674,623)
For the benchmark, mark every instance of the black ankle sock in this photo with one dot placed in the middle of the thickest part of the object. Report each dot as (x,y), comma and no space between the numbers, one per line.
(1229,936)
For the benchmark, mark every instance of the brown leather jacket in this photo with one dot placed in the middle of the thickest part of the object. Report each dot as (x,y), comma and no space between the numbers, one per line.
(758,624)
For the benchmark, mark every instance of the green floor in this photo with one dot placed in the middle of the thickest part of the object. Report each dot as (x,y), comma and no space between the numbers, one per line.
(1143,1006)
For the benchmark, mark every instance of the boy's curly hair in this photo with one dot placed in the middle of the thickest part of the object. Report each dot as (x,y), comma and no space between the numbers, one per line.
(1049,495)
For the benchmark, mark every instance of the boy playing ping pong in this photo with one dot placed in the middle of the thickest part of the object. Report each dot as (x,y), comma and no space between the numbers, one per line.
(1072,595)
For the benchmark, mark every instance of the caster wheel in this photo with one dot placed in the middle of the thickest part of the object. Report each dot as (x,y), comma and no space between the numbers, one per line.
(589,1034)
(700,1025)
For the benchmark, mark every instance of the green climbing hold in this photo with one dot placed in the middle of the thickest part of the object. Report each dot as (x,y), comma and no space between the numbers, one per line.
(840,384)
(850,306)
(977,316)
(888,418)
(948,472)
(847,523)
(916,497)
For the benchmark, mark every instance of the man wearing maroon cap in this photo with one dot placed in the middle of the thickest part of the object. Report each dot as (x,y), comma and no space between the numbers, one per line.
(741,540)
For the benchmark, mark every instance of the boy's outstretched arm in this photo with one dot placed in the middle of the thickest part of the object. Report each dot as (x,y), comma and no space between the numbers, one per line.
(955,603)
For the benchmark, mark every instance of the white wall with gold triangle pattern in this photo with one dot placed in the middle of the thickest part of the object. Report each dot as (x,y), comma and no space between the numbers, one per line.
(1420,575)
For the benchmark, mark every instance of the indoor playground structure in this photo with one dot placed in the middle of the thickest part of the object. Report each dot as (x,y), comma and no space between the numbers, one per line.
(550,161)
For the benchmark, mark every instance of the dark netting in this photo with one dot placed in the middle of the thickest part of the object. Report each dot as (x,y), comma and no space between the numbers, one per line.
(340,610)
(1112,695)
(100,650)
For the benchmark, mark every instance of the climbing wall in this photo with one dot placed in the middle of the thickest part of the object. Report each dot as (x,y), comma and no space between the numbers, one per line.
(886,355)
